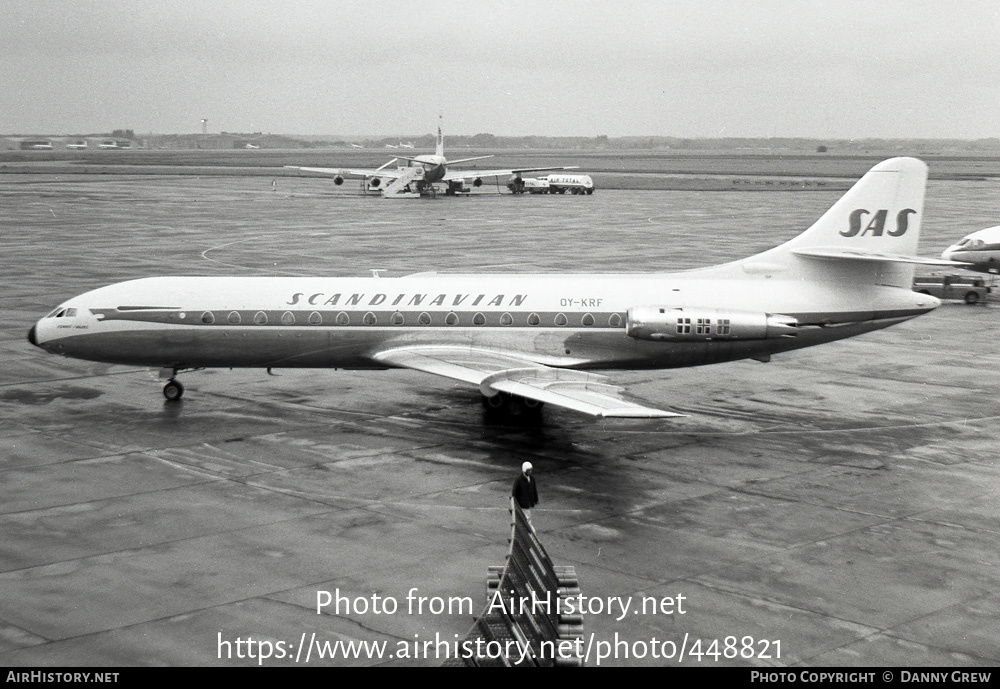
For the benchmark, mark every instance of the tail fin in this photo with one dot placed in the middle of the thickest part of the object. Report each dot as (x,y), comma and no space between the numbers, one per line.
(870,234)
(440,141)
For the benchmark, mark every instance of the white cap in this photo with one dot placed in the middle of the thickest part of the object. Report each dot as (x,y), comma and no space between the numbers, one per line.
(525,467)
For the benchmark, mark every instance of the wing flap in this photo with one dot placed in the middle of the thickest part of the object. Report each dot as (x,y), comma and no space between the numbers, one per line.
(495,371)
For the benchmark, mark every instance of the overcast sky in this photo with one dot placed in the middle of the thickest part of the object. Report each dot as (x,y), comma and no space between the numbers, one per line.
(689,68)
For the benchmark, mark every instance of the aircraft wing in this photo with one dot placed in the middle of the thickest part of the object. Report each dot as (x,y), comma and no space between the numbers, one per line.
(350,172)
(473,174)
(497,371)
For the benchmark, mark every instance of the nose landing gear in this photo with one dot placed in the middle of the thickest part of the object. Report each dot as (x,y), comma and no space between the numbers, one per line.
(173,390)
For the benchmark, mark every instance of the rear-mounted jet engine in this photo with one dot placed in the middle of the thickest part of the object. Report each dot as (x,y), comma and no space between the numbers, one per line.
(676,324)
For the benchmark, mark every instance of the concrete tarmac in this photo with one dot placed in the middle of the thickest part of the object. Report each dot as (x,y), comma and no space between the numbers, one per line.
(838,506)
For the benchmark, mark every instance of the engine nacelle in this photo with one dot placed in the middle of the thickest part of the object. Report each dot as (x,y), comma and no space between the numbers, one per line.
(681,324)
(338,180)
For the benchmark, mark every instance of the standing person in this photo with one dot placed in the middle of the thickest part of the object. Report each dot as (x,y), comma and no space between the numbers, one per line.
(525,491)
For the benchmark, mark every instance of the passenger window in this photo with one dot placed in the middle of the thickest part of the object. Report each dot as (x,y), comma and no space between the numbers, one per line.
(533,319)
(587,319)
(424,319)
(208,318)
(370,318)
(260,318)
(234,318)
(683,326)
(561,319)
(288,318)
(479,319)
(615,320)
(451,318)
(396,318)
(315,318)
(506,319)
(343,318)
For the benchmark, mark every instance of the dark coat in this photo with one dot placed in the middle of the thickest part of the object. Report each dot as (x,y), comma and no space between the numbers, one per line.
(525,491)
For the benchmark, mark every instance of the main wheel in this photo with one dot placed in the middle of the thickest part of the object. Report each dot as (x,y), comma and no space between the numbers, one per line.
(173,391)
(494,402)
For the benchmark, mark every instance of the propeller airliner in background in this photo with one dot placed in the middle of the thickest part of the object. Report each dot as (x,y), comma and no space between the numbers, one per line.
(420,173)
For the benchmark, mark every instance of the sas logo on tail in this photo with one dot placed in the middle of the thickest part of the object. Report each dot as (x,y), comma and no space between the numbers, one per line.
(876,224)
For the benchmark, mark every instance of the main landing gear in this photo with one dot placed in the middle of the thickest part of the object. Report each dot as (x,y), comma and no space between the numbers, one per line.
(513,405)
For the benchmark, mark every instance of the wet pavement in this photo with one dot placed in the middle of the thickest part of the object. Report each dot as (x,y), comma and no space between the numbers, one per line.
(837,506)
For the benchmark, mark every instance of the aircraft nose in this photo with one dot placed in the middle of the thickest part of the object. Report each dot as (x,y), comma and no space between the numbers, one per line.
(31,336)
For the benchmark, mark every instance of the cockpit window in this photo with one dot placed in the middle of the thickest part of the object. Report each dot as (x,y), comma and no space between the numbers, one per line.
(62,312)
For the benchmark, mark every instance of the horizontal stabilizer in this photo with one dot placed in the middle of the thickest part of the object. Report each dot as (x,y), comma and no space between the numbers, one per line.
(852,254)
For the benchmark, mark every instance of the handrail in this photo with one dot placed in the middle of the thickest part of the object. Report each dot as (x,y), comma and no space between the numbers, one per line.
(526,607)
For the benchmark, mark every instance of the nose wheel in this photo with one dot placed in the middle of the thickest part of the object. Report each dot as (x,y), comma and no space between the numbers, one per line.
(173,390)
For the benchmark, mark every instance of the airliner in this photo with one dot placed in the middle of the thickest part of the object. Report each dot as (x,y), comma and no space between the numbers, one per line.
(979,251)
(525,339)
(418,176)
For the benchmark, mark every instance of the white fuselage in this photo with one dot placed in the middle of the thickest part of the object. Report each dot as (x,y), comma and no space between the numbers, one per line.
(434,167)
(979,250)
(561,320)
